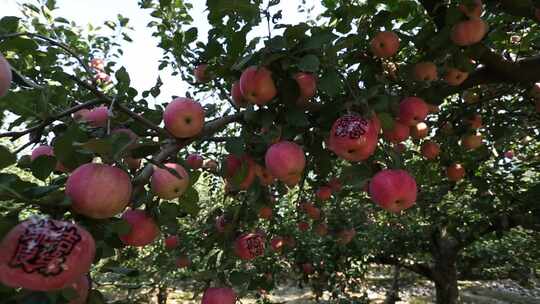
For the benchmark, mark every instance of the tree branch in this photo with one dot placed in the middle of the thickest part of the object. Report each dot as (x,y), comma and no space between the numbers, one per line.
(419,268)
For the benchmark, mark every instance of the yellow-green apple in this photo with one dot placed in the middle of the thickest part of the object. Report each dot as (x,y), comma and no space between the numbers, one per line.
(237,97)
(98,191)
(425,71)
(249,246)
(419,131)
(215,295)
(353,137)
(385,44)
(455,77)
(471,142)
(257,85)
(324,193)
(184,117)
(201,73)
(430,150)
(47,151)
(412,110)
(5,76)
(171,242)
(286,161)
(455,172)
(307,83)
(393,189)
(468,32)
(166,185)
(144,229)
(398,133)
(194,161)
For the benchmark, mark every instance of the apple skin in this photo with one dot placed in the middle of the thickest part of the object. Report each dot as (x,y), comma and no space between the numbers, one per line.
(257,85)
(455,172)
(265,213)
(264,176)
(475,122)
(324,193)
(97,117)
(468,32)
(308,268)
(412,110)
(303,226)
(473,11)
(455,77)
(184,117)
(335,184)
(307,83)
(321,229)
(277,243)
(249,246)
(98,191)
(234,166)
(285,160)
(48,151)
(102,77)
(430,150)
(385,44)
(80,115)
(509,154)
(397,134)
(50,276)
(211,165)
(144,229)
(201,76)
(183,261)
(171,242)
(194,161)
(237,97)
(98,64)
(82,288)
(472,142)
(353,137)
(314,213)
(420,130)
(216,295)
(5,76)
(167,186)
(393,190)
(425,71)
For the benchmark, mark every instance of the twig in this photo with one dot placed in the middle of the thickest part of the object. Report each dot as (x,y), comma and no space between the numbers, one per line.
(110,114)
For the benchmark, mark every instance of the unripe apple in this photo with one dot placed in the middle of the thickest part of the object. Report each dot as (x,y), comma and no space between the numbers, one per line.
(425,71)
(468,32)
(237,97)
(249,246)
(335,184)
(166,185)
(171,242)
(455,77)
(98,64)
(5,76)
(82,288)
(277,243)
(393,190)
(265,213)
(97,117)
(324,193)
(48,151)
(184,117)
(472,11)
(419,131)
(455,172)
(98,191)
(216,295)
(286,161)
(44,254)
(398,133)
(264,176)
(321,229)
(201,73)
(385,44)
(183,261)
(194,161)
(303,226)
(475,122)
(430,150)
(412,110)
(307,83)
(472,142)
(346,236)
(144,229)
(353,137)
(257,85)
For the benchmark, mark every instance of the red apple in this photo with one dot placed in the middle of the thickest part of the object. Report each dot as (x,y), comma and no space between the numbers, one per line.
(314,213)
(419,131)
(509,154)
(475,122)
(97,117)
(346,236)
(144,229)
(98,191)
(237,97)
(82,288)
(194,161)
(184,117)
(211,165)
(432,108)
(44,254)
(98,64)
(385,44)
(324,193)
(430,150)
(5,76)
(166,185)
(277,243)
(321,229)
(286,161)
(335,184)
(80,115)
(353,137)
(289,241)
(48,151)
(257,85)
(412,110)
(201,74)
(397,134)
(239,171)
(216,295)
(473,10)
(264,176)
(455,172)
(303,226)
(249,246)
(393,190)
(171,242)
(472,142)
(455,77)
(307,84)
(425,71)
(308,268)
(265,213)
(183,261)
(468,32)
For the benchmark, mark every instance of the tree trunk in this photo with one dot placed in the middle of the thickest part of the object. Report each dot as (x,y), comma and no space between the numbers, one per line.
(392,296)
(162,295)
(445,273)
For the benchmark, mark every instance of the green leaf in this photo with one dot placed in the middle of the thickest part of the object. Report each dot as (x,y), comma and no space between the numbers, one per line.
(297,117)
(309,63)
(120,143)
(144,150)
(97,145)
(9,24)
(189,202)
(235,145)
(66,152)
(238,278)
(120,227)
(330,83)
(6,157)
(43,166)
(387,121)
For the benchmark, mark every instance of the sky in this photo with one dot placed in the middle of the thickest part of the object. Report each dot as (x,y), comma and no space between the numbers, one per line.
(142,55)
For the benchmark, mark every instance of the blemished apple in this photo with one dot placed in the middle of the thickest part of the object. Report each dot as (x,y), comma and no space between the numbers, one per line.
(97,117)
(468,32)
(412,110)
(265,213)
(183,261)
(237,97)
(184,117)
(455,172)
(249,246)
(201,73)
(239,171)
(194,161)
(393,190)
(47,151)
(455,77)
(98,191)
(43,254)
(5,76)
(82,288)
(473,10)
(324,193)
(171,242)
(307,84)
(430,150)
(166,185)
(257,85)
(144,229)
(398,133)
(420,130)
(98,64)
(353,137)
(425,71)
(215,295)
(472,142)
(286,161)
(385,44)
